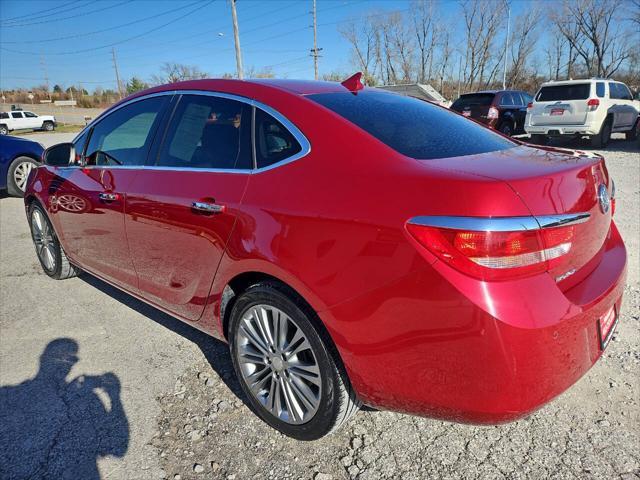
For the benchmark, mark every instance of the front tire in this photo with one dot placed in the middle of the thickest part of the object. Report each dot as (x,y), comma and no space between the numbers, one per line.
(633,133)
(48,126)
(18,175)
(286,365)
(51,255)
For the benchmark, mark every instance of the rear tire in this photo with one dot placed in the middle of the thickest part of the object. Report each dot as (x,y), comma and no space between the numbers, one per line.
(506,128)
(602,138)
(4,130)
(48,249)
(633,133)
(272,335)
(18,174)
(48,126)
(539,139)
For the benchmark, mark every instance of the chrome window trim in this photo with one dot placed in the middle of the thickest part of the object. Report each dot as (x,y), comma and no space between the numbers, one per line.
(500,224)
(290,126)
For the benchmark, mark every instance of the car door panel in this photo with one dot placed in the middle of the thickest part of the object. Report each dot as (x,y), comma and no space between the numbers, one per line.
(93,226)
(175,246)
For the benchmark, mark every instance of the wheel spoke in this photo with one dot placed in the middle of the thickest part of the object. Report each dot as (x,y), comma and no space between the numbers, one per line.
(293,408)
(254,337)
(49,257)
(303,392)
(250,354)
(257,379)
(310,373)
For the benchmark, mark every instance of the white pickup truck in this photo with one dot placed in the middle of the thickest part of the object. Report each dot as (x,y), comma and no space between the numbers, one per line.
(592,108)
(23,120)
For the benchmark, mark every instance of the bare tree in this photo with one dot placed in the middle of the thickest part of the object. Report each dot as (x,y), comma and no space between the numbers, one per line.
(554,54)
(177,72)
(362,37)
(523,44)
(591,30)
(482,21)
(427,32)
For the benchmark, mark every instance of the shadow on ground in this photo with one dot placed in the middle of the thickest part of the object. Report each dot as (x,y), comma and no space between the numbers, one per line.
(215,351)
(54,428)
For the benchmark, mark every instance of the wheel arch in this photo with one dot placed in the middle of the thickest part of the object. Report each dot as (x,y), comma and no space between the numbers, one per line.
(244,280)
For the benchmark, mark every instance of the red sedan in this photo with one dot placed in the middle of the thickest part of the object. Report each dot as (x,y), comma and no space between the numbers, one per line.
(351,245)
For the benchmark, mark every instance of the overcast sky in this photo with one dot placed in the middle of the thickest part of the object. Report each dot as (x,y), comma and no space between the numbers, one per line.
(73,39)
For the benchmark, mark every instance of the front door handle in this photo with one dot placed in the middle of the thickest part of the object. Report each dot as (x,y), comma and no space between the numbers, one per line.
(208,207)
(108,197)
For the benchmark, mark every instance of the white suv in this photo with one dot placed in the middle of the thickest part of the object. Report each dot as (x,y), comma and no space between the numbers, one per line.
(591,108)
(21,120)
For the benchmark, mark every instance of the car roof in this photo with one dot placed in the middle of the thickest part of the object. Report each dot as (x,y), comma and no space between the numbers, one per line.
(298,87)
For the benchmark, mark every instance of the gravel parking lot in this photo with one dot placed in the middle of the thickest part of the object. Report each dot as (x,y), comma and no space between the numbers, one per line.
(145,396)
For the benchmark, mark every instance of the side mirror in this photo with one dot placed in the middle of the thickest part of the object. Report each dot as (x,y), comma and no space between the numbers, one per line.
(61,155)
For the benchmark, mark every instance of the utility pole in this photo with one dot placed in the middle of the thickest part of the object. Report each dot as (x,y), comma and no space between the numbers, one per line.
(236,38)
(315,51)
(506,50)
(115,67)
(46,75)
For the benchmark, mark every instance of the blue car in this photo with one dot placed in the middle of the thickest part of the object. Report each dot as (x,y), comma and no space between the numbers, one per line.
(18,156)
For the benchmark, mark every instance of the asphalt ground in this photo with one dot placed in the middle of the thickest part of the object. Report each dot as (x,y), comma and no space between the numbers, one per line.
(141,395)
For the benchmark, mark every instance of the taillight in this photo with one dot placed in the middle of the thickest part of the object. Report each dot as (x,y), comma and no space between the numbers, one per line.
(529,105)
(613,197)
(496,254)
(493,112)
(593,104)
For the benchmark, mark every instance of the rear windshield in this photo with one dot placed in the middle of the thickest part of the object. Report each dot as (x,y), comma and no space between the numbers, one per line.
(473,99)
(413,127)
(576,91)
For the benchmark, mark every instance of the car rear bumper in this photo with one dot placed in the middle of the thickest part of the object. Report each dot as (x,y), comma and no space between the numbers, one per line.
(559,130)
(443,346)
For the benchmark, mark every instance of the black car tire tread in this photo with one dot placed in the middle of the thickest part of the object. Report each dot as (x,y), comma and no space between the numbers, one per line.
(48,126)
(342,402)
(4,130)
(12,188)
(64,269)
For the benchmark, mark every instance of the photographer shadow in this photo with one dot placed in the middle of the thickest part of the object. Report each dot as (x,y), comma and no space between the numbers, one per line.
(54,428)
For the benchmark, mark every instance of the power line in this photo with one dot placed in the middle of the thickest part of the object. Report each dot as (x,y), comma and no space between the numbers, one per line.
(13,23)
(120,41)
(57,9)
(52,20)
(105,29)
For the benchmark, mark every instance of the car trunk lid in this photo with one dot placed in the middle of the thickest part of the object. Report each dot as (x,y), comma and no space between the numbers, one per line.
(550,182)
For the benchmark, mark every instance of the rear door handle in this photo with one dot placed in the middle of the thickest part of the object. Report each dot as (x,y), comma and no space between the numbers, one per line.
(208,207)
(108,197)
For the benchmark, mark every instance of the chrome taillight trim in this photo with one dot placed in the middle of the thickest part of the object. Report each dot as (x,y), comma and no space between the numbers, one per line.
(500,224)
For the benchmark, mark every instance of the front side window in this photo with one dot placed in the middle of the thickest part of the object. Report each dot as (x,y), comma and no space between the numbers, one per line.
(16,114)
(274,142)
(124,136)
(208,132)
(413,127)
(613,90)
(30,115)
(625,94)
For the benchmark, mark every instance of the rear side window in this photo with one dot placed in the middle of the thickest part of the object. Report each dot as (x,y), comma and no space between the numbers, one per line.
(526,98)
(575,91)
(413,127)
(274,142)
(508,100)
(473,99)
(4,115)
(208,132)
(124,136)
(600,89)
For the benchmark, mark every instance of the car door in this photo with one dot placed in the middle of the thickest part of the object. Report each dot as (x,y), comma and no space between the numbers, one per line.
(31,120)
(182,208)
(18,121)
(90,197)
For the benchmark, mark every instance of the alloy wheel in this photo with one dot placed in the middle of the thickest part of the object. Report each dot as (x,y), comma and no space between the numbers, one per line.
(278,364)
(21,174)
(44,240)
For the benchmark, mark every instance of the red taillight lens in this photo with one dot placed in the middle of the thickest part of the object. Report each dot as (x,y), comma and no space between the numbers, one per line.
(593,104)
(493,113)
(496,255)
(530,105)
